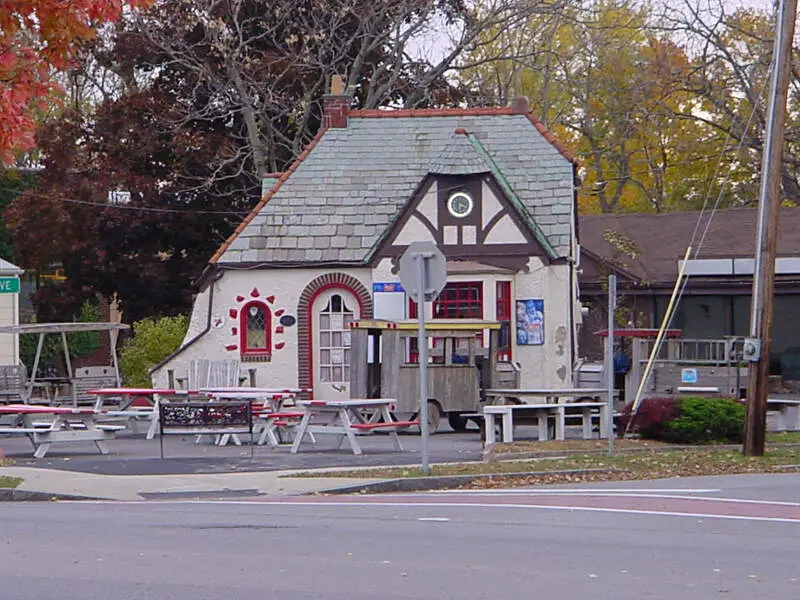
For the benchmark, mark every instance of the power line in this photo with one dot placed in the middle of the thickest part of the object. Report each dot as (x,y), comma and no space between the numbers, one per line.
(125,206)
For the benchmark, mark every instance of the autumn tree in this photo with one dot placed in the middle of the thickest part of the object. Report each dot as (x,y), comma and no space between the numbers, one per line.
(730,52)
(212,97)
(145,252)
(615,84)
(260,68)
(36,38)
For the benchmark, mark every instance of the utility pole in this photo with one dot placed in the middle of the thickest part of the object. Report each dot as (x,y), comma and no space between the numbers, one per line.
(767,234)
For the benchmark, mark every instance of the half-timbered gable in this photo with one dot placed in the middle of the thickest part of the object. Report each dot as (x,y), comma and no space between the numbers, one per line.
(466,207)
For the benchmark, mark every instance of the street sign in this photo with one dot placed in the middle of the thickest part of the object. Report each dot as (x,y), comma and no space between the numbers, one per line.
(435,270)
(9,285)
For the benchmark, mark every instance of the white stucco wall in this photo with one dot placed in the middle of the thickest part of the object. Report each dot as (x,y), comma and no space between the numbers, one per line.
(233,291)
(549,365)
(9,342)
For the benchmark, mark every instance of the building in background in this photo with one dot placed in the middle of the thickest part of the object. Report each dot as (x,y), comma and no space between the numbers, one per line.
(644,250)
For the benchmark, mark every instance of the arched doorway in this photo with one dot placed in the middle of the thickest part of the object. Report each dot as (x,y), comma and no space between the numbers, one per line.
(331,314)
(307,325)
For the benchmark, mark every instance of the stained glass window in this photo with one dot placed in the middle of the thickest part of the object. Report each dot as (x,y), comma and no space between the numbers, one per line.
(255,328)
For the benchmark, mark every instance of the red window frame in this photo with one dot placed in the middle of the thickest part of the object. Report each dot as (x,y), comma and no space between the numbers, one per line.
(458,300)
(247,350)
(503,316)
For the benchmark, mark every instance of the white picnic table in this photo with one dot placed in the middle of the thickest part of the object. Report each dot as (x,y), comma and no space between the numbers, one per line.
(349,418)
(543,412)
(127,397)
(549,395)
(47,425)
(788,413)
(545,404)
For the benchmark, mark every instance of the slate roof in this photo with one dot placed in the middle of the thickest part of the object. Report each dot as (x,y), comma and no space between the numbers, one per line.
(458,157)
(648,246)
(338,200)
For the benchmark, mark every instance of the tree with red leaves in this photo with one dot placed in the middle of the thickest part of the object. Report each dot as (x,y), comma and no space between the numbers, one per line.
(38,37)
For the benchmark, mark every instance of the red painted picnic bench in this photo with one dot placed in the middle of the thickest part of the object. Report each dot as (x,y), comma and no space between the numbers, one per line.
(348,418)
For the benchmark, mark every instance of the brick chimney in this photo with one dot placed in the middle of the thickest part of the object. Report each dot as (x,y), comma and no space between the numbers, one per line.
(335,105)
(519,106)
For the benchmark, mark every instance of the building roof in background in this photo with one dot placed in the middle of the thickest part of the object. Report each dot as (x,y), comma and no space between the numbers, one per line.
(337,201)
(7,268)
(648,246)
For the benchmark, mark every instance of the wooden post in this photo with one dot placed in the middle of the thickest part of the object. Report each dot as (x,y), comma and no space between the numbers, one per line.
(767,236)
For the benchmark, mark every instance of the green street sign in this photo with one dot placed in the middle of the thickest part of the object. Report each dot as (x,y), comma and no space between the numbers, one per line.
(9,285)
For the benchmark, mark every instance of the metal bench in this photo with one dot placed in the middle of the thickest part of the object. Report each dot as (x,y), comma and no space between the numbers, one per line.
(205,418)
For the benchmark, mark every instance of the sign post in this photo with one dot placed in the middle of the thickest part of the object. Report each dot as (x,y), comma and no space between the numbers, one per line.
(612,309)
(423,272)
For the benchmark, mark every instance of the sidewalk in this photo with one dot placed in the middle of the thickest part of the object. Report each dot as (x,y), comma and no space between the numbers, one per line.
(139,487)
(135,471)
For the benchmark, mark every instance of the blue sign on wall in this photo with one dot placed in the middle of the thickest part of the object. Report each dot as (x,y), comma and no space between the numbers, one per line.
(688,375)
(387,287)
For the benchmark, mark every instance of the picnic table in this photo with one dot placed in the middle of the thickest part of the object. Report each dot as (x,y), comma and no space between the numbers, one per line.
(788,413)
(271,414)
(349,418)
(545,404)
(127,407)
(46,425)
(548,395)
(543,412)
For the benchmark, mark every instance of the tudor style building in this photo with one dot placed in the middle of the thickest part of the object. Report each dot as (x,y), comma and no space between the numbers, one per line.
(489,186)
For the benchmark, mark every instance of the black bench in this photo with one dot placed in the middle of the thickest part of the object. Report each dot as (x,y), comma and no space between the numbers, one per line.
(204,418)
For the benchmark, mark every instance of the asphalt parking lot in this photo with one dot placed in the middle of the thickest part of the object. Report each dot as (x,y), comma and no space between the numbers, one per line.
(132,454)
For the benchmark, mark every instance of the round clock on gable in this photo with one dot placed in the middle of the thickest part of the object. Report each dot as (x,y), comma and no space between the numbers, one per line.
(460,204)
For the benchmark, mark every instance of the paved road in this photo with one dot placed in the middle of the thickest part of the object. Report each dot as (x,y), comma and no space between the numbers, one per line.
(494,545)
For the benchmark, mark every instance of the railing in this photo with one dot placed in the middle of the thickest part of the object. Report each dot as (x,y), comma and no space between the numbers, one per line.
(699,352)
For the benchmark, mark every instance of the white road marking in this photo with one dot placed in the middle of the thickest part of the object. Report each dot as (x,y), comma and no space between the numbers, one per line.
(630,495)
(396,505)
(581,491)
(438,519)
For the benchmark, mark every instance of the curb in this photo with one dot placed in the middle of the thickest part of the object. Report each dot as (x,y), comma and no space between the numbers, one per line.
(418,484)
(15,495)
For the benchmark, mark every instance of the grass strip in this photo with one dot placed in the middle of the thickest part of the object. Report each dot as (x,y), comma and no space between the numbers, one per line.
(9,482)
(650,462)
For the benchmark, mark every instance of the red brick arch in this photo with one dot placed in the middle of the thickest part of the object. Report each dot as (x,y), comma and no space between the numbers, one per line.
(305,357)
